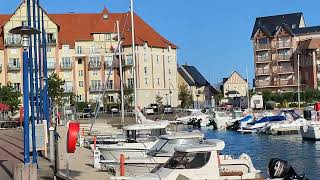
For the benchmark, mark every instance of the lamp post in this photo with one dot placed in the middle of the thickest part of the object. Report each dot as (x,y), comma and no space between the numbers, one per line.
(26,32)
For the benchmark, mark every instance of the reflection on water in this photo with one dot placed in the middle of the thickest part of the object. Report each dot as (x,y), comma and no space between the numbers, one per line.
(304,156)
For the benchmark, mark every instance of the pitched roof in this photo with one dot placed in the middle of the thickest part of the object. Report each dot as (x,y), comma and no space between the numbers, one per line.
(80,27)
(272,22)
(3,19)
(186,77)
(225,80)
(306,30)
(198,79)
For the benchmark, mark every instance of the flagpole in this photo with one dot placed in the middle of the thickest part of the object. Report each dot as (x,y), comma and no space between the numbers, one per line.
(134,59)
(121,74)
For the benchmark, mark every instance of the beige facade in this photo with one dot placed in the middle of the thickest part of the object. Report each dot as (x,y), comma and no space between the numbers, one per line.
(91,66)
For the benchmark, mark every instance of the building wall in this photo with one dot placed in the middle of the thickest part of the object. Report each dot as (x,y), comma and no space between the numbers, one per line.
(235,83)
(160,77)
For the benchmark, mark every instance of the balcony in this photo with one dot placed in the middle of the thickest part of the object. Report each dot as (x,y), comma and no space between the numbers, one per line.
(16,41)
(284,57)
(129,62)
(95,88)
(287,82)
(285,70)
(51,42)
(14,67)
(262,71)
(283,44)
(68,89)
(66,66)
(263,59)
(95,65)
(261,47)
(260,84)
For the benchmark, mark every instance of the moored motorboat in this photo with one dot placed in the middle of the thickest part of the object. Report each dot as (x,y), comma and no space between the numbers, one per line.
(311,131)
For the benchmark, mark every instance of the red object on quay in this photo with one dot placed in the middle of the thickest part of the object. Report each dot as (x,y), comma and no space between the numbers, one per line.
(317,106)
(73,131)
(122,164)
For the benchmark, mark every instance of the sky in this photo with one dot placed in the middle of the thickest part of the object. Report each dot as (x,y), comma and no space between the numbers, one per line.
(212,35)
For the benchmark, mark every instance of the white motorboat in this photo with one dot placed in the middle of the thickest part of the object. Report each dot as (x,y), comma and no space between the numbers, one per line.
(143,162)
(188,115)
(222,120)
(202,161)
(311,131)
(136,133)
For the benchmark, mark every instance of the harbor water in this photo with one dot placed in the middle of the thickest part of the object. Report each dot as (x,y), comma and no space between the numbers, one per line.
(303,156)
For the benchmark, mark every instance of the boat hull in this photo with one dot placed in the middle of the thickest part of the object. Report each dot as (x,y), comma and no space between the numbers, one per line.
(310,132)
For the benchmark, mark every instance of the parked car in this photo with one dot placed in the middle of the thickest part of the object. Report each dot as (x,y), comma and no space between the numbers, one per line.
(148,110)
(167,109)
(155,107)
(114,110)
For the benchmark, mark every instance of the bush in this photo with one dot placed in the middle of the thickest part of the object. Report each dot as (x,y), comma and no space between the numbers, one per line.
(81,106)
(293,105)
(271,105)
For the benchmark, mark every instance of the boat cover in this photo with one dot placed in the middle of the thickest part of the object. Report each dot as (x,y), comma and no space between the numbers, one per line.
(269,119)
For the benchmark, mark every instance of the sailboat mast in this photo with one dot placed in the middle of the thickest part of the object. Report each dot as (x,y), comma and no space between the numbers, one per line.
(121,75)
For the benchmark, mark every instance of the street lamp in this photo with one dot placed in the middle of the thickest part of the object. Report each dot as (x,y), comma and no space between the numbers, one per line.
(25,33)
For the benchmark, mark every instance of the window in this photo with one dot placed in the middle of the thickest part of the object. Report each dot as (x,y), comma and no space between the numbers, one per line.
(284,54)
(79,61)
(80,83)
(108,37)
(66,62)
(145,70)
(169,59)
(94,61)
(131,70)
(145,80)
(24,23)
(262,56)
(108,60)
(110,98)
(263,41)
(110,84)
(93,49)
(49,49)
(79,50)
(14,62)
(130,82)
(169,70)
(65,48)
(95,84)
(94,73)
(50,38)
(157,58)
(16,86)
(68,86)
(129,58)
(190,160)
(158,81)
(51,63)
(80,73)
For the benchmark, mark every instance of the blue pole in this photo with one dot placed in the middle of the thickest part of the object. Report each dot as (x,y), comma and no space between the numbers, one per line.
(26,95)
(45,74)
(26,108)
(33,123)
(35,48)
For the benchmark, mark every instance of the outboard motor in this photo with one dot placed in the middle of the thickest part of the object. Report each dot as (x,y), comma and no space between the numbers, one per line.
(281,169)
(196,123)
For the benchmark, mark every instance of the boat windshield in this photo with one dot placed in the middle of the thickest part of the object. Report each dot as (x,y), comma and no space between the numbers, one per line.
(220,114)
(191,160)
(168,145)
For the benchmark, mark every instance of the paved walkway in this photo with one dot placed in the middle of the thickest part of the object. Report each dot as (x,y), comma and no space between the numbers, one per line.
(81,162)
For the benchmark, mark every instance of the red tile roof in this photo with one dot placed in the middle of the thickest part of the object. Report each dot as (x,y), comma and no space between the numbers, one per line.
(80,27)
(3,19)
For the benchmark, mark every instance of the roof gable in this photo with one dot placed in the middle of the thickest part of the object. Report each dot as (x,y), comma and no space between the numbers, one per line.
(272,22)
(185,76)
(235,78)
(199,80)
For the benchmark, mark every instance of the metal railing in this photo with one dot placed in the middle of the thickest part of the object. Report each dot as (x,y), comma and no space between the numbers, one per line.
(14,67)
(263,83)
(263,71)
(262,46)
(12,41)
(284,57)
(263,59)
(66,66)
(285,69)
(283,44)
(96,88)
(286,82)
(95,65)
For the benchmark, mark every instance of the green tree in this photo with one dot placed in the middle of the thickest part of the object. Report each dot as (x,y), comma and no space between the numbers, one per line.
(55,89)
(9,96)
(185,96)
(267,94)
(159,101)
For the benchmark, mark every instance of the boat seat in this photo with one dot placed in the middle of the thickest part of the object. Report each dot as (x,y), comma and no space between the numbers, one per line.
(231,173)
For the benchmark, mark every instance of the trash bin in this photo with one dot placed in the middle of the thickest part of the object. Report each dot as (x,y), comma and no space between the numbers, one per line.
(307,114)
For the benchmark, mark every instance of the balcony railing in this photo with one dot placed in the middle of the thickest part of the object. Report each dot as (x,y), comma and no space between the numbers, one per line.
(262,46)
(68,89)
(286,82)
(95,65)
(263,59)
(66,66)
(263,83)
(12,41)
(14,67)
(284,57)
(283,44)
(263,71)
(285,69)
(51,66)
(95,88)
(52,41)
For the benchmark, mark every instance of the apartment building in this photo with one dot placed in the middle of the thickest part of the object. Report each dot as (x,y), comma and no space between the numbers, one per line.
(81,49)
(278,41)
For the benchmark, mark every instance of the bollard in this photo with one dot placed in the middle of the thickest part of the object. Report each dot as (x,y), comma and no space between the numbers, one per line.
(96,159)
(121,165)
(94,142)
(51,134)
(82,131)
